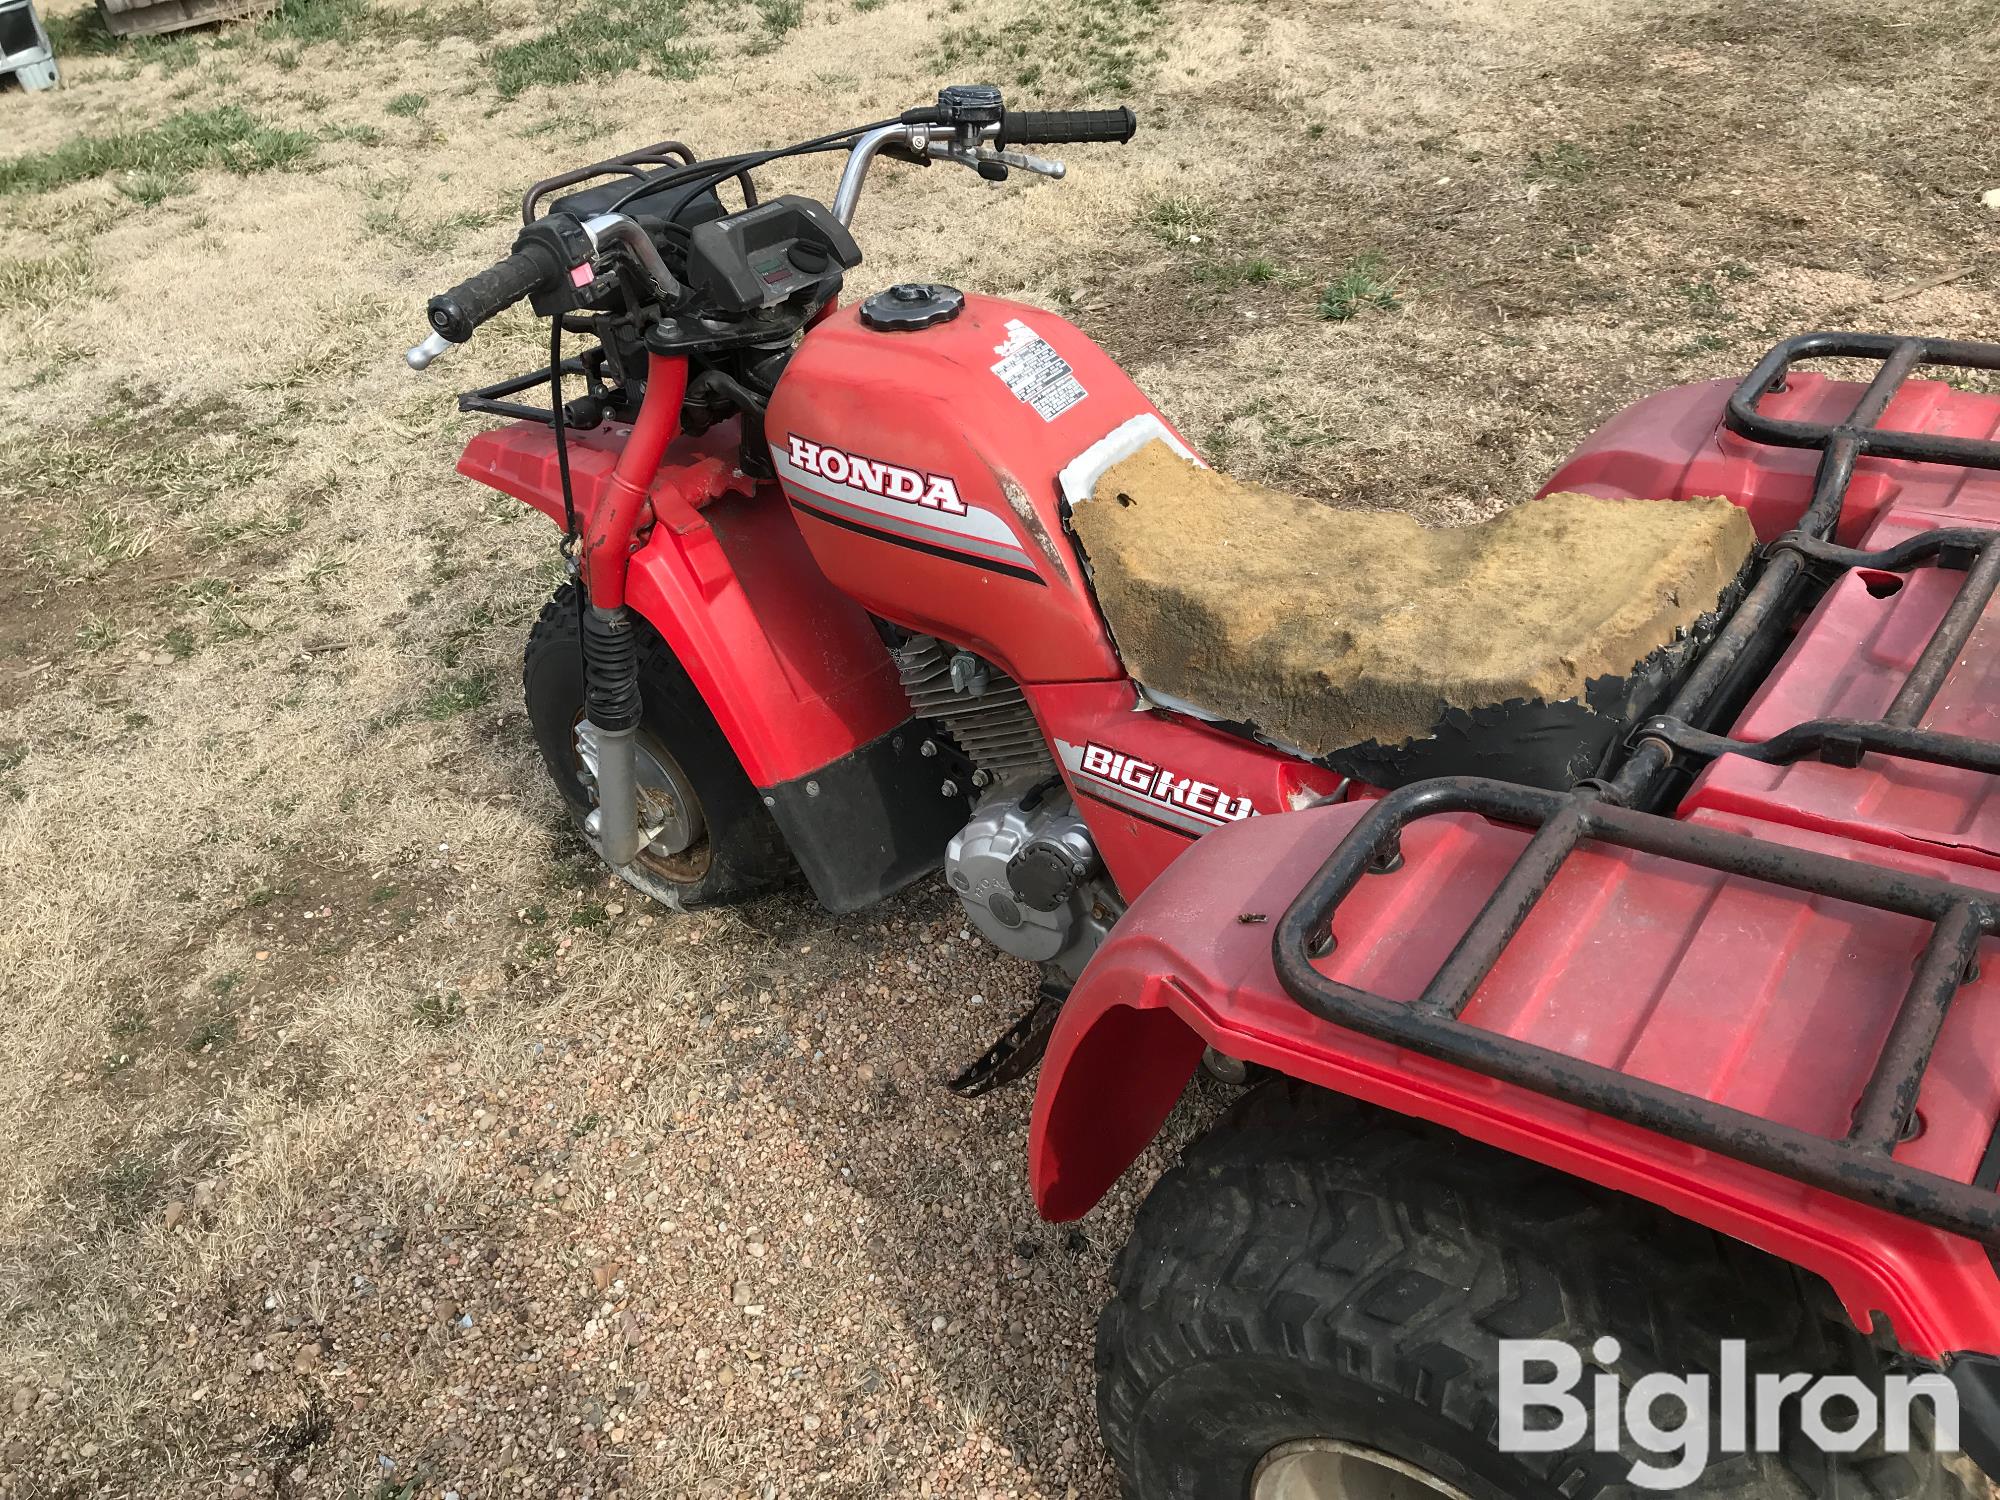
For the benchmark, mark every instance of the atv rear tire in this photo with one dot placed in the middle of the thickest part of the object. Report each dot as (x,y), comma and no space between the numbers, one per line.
(1322,1287)
(739,850)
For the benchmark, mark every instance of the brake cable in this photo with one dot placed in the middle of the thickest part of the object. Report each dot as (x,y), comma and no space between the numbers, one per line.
(561,427)
(556,420)
(707,174)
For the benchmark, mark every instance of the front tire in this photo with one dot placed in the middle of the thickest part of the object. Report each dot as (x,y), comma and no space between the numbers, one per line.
(1311,1306)
(735,849)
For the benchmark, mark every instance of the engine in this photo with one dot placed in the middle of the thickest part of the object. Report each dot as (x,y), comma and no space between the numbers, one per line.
(1025,866)
(1030,879)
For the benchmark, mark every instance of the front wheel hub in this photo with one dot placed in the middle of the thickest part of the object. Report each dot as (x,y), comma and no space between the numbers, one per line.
(1325,1469)
(670,819)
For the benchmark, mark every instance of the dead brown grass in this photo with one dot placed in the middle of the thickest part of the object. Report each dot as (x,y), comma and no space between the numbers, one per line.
(304,1033)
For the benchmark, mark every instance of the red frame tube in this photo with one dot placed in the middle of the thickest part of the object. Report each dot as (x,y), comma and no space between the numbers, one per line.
(607,535)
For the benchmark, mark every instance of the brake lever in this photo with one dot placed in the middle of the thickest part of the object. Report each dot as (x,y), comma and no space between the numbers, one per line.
(987,158)
(1041,166)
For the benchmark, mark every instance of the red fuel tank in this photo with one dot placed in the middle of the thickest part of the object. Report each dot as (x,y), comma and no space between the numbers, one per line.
(926,466)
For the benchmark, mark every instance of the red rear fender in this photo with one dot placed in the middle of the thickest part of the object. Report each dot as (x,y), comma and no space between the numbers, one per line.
(1184,968)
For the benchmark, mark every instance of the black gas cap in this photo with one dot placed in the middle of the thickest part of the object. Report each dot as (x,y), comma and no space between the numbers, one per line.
(910,305)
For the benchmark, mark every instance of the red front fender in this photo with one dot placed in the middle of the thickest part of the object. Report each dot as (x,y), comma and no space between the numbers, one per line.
(1190,964)
(791,668)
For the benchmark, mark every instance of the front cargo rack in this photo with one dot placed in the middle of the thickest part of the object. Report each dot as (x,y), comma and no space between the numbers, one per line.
(1611,811)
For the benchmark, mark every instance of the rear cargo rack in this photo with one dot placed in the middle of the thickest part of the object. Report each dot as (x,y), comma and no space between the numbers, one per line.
(1861,1166)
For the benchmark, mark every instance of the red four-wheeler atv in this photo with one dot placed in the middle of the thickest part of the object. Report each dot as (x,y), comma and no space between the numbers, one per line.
(1596,897)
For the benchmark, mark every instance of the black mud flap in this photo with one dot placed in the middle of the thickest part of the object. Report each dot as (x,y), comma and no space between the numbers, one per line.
(866,825)
(1976,1377)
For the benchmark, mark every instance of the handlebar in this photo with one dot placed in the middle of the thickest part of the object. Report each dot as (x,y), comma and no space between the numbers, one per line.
(456,313)
(546,253)
(980,143)
(1057,127)
(970,125)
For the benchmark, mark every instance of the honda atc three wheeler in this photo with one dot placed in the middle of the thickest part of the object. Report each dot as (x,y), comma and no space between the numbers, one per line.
(1598,902)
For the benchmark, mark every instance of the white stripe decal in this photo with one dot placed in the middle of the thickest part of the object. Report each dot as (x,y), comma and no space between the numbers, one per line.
(949,541)
(979,531)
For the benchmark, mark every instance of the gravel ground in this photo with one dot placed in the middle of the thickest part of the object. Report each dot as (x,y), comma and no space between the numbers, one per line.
(744,1247)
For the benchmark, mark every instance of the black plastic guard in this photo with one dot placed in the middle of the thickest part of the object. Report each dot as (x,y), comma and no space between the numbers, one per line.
(868,824)
(1976,1377)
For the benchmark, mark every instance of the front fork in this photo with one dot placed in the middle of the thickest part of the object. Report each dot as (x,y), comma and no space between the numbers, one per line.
(612,704)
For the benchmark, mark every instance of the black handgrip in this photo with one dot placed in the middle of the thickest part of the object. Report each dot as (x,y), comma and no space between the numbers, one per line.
(457,312)
(1053,127)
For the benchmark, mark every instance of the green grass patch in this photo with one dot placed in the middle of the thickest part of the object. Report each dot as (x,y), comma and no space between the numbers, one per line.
(81,33)
(151,187)
(1565,161)
(457,695)
(409,105)
(304,23)
(193,140)
(423,236)
(781,16)
(1068,54)
(1365,285)
(361,135)
(1177,219)
(34,284)
(438,1009)
(96,634)
(599,39)
(1234,273)
(174,55)
(111,534)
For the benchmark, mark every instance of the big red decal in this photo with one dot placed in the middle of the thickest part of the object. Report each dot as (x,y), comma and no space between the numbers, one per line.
(1184,801)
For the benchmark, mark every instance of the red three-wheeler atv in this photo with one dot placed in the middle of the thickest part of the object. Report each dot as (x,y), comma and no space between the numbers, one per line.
(1594,899)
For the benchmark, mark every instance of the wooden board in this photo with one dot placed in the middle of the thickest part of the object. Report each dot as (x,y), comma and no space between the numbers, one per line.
(152,17)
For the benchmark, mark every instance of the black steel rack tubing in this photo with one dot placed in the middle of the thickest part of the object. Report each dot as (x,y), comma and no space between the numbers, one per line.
(1860,1167)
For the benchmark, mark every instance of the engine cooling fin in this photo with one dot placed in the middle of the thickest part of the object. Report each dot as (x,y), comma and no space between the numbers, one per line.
(979,706)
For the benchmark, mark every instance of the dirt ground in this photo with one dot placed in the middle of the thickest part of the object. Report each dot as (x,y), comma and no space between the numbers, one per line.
(362,1141)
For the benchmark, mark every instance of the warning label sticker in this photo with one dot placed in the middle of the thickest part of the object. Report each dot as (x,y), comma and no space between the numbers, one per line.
(1035,373)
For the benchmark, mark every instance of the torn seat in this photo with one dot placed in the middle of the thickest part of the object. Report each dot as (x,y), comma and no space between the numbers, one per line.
(1523,647)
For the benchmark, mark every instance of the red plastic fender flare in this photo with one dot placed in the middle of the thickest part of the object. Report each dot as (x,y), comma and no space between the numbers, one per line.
(1183,970)
(791,668)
